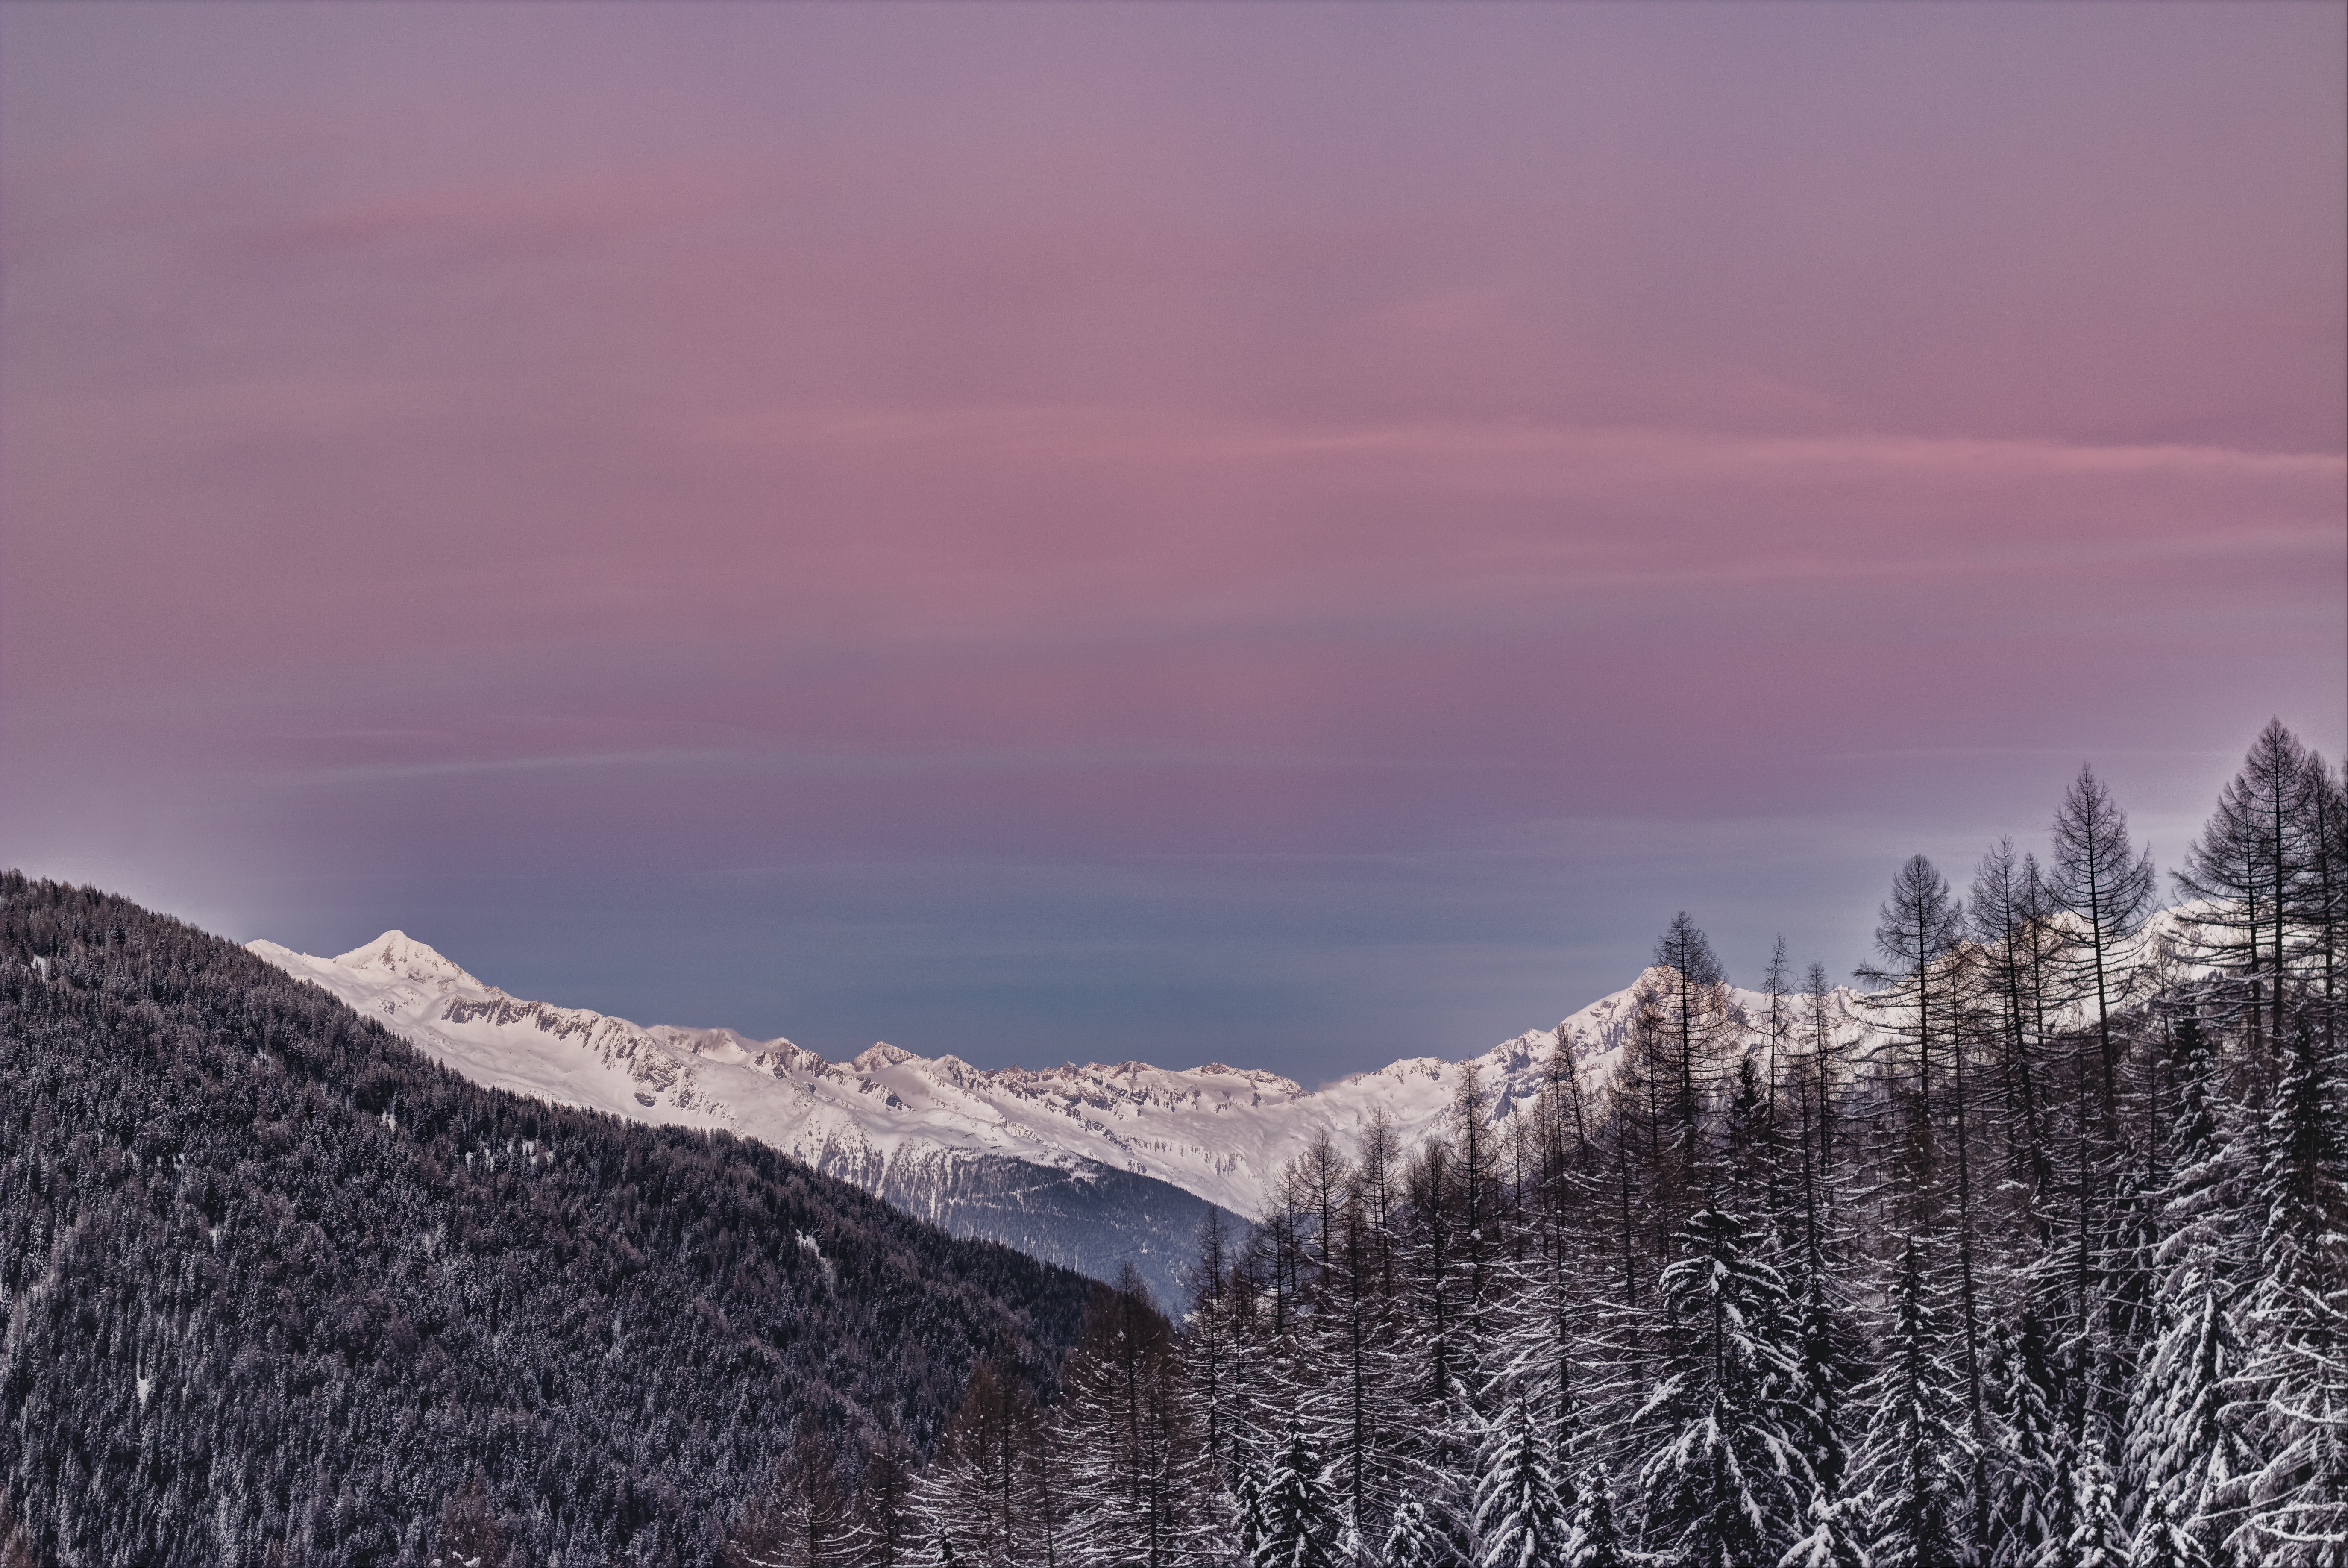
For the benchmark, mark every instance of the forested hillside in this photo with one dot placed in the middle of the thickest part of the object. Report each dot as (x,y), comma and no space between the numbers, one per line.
(2044,1261)
(278,1289)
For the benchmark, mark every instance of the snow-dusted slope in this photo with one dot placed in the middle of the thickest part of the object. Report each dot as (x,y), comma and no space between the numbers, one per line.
(880,1120)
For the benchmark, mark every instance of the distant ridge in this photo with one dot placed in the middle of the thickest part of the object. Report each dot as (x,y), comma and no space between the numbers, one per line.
(1222,1134)
(1088,1166)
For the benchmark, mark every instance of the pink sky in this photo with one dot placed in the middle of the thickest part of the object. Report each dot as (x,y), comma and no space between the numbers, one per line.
(1296,534)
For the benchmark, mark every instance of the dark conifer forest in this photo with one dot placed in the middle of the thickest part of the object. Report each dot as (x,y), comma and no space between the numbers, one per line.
(2036,1253)
(278,1289)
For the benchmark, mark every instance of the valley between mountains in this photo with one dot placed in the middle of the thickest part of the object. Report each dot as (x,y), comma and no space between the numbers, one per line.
(1087,1166)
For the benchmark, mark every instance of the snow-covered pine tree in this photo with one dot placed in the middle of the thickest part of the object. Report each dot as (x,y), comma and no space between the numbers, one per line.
(1381,1311)
(1724,1478)
(1830,1344)
(1751,1186)
(1597,1540)
(2183,1453)
(1350,1325)
(886,1532)
(1259,1382)
(1915,1464)
(1834,1538)
(1412,1541)
(1692,1031)
(1556,1340)
(2008,929)
(1544,1336)
(819,1517)
(2030,1462)
(1280,1254)
(1477,1167)
(949,1509)
(1692,992)
(1915,1007)
(1429,1361)
(2322,908)
(1824,1371)
(1825,1066)
(1299,1520)
(1775,1162)
(1127,1451)
(1624,1147)
(2294,1502)
(981,1492)
(1208,1374)
(2161,1540)
(2180,1451)
(2096,1539)
(1431,1258)
(1366,1357)
(2106,886)
(1552,1359)
(1248,1517)
(803,1519)
(1523,1517)
(2244,875)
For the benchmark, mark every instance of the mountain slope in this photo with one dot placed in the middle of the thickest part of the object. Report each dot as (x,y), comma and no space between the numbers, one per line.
(923,1135)
(276,1287)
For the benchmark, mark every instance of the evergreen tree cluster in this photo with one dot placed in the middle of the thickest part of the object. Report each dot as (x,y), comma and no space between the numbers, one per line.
(276,1288)
(2037,1256)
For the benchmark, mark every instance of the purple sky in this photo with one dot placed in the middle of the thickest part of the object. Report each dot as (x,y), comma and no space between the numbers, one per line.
(1296,535)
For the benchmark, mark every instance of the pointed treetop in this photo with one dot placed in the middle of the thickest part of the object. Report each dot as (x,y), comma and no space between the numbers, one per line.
(1684,948)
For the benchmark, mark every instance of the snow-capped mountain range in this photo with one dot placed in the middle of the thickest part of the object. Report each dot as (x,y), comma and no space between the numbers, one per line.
(1220,1133)
(1091,1166)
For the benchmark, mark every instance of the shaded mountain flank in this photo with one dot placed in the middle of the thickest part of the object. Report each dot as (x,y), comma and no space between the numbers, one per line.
(277,1287)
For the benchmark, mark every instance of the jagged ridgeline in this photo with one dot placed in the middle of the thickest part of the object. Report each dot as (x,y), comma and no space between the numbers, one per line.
(277,1288)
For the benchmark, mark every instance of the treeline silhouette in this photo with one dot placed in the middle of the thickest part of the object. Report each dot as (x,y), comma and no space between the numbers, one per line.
(2039,1256)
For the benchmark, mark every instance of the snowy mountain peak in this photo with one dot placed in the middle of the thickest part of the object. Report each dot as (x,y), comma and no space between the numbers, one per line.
(398,956)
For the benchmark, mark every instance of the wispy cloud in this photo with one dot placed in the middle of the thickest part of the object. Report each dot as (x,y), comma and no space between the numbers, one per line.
(1077,758)
(1581,456)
